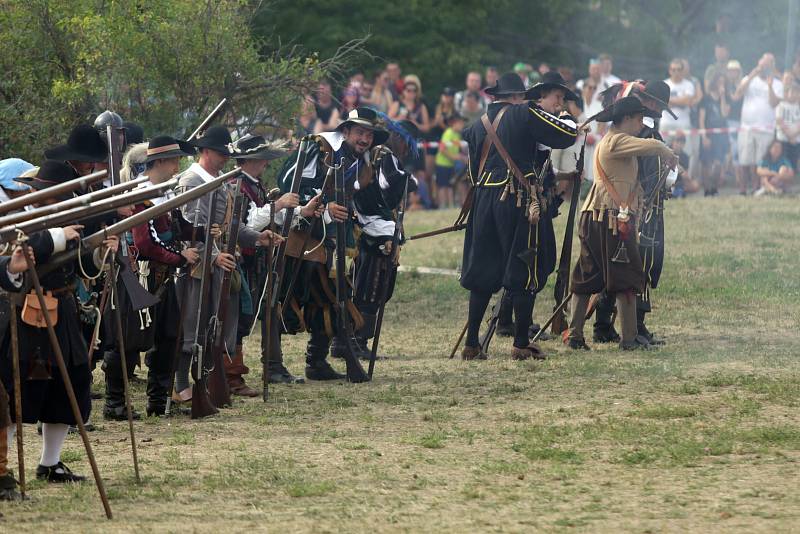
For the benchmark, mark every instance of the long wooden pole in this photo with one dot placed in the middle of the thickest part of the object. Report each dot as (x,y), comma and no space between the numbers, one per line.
(17,393)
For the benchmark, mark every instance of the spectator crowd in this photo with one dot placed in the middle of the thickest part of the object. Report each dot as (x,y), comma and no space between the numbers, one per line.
(731,127)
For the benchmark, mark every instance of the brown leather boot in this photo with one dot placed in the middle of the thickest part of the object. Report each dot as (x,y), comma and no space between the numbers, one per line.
(234,369)
(473,353)
(532,351)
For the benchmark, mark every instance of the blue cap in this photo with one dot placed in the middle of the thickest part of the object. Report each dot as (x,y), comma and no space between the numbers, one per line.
(13,168)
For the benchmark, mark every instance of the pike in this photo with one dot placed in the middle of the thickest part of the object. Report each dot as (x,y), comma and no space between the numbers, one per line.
(77,202)
(562,276)
(96,239)
(268,314)
(81,183)
(54,220)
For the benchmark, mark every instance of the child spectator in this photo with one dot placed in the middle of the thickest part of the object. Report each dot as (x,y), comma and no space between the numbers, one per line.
(787,117)
(685,184)
(472,110)
(775,171)
(449,160)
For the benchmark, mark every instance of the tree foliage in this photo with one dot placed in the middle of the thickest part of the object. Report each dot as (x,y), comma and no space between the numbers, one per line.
(163,63)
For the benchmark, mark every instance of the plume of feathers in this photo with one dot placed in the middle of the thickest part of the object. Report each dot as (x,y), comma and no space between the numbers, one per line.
(394,127)
(134,157)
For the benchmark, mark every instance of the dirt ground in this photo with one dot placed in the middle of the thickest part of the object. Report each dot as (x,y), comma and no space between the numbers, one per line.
(700,435)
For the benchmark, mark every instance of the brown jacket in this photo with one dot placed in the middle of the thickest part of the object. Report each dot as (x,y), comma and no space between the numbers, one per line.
(616,154)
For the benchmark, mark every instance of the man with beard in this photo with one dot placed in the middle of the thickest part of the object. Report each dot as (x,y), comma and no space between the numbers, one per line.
(509,241)
(308,290)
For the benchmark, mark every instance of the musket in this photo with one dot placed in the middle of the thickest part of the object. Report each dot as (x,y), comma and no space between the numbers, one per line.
(208,120)
(280,257)
(491,324)
(184,304)
(75,215)
(81,183)
(217,382)
(565,261)
(440,231)
(355,373)
(268,313)
(201,365)
(559,309)
(391,265)
(77,202)
(96,239)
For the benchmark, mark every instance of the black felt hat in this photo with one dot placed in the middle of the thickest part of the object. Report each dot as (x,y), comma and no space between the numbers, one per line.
(134,133)
(657,91)
(164,146)
(256,147)
(216,138)
(50,173)
(84,144)
(410,128)
(366,118)
(627,105)
(508,84)
(552,80)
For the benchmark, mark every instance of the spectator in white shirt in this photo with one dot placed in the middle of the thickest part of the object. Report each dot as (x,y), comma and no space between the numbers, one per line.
(607,64)
(762,91)
(473,86)
(681,97)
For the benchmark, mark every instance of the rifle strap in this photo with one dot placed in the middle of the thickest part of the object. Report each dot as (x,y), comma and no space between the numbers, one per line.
(494,140)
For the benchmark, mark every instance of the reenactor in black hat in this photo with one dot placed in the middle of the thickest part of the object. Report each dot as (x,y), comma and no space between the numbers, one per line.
(611,215)
(509,217)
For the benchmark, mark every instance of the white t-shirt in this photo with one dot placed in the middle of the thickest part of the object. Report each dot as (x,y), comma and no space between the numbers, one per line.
(756,110)
(790,113)
(679,89)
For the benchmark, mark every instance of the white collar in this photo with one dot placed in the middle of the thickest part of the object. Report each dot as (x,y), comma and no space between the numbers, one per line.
(201,172)
(335,139)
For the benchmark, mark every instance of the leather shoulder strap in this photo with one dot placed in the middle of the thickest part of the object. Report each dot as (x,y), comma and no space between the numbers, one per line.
(491,134)
(490,138)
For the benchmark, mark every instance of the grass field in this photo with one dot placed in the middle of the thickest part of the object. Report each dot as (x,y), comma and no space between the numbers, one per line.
(701,435)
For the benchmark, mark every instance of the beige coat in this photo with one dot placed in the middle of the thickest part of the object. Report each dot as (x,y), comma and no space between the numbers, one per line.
(617,153)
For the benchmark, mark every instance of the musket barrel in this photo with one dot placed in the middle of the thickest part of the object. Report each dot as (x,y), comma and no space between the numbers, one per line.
(211,116)
(83,200)
(82,182)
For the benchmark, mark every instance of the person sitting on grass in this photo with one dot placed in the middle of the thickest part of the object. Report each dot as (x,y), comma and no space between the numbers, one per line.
(685,183)
(449,160)
(775,170)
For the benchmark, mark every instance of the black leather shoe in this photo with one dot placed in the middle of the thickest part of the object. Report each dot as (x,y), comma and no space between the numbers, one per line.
(504,329)
(577,344)
(322,370)
(278,374)
(638,343)
(119,414)
(606,336)
(58,473)
(8,488)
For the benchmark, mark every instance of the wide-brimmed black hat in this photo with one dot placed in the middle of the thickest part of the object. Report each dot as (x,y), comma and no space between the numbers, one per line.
(84,144)
(627,105)
(216,138)
(164,146)
(50,173)
(256,147)
(552,80)
(366,118)
(657,91)
(508,84)
(134,133)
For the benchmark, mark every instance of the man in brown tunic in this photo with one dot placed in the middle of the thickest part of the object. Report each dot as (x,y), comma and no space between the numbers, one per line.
(609,257)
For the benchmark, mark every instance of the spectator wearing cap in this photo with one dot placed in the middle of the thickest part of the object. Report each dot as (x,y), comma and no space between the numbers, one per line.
(473,85)
(523,70)
(761,91)
(9,169)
